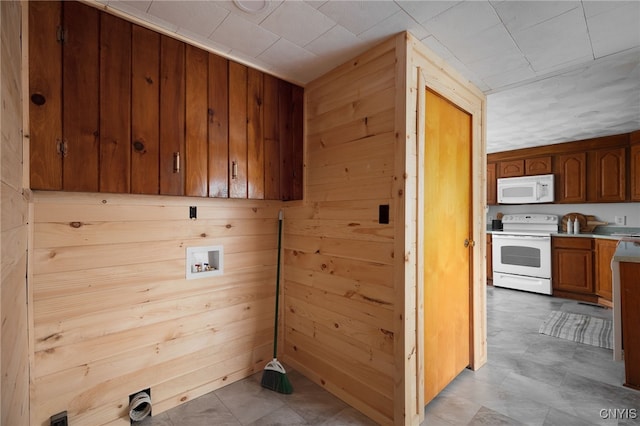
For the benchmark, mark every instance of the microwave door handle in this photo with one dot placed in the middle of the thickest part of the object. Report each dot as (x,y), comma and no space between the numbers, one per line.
(537,191)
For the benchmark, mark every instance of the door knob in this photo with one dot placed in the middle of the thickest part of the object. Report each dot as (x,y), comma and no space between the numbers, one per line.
(468,242)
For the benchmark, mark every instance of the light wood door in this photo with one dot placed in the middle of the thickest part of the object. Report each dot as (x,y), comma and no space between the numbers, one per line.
(447,259)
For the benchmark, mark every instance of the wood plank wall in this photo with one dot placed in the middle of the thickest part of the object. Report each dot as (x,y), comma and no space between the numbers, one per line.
(14,365)
(113,313)
(338,260)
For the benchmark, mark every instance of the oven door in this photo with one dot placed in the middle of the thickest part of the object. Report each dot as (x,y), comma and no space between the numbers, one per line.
(526,255)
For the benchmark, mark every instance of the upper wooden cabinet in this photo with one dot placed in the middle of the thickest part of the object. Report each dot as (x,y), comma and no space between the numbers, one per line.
(538,166)
(599,170)
(634,165)
(115,107)
(607,177)
(492,193)
(571,172)
(512,168)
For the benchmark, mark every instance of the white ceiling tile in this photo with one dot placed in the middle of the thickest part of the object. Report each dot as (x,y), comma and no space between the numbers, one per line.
(298,22)
(315,3)
(520,15)
(336,45)
(394,24)
(555,41)
(510,76)
(286,54)
(243,36)
(256,18)
(485,44)
(131,6)
(422,11)
(463,20)
(626,35)
(199,17)
(357,15)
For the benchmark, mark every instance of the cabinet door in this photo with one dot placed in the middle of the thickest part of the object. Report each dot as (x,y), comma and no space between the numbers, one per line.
(512,168)
(115,104)
(255,138)
(145,115)
(492,183)
(80,83)
(45,95)
(172,116)
(271,139)
(297,99)
(610,175)
(237,130)
(538,166)
(196,155)
(573,270)
(635,172)
(605,249)
(286,140)
(571,178)
(218,114)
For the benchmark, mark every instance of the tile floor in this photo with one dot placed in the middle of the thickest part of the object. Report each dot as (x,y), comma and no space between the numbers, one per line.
(529,379)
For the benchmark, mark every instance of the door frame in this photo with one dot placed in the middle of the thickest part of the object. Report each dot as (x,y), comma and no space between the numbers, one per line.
(477,300)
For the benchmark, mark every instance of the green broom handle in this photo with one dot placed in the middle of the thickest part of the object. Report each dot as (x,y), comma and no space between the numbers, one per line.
(275,332)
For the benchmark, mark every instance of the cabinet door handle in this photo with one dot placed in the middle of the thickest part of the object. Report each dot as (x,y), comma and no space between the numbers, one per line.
(176,162)
(234,170)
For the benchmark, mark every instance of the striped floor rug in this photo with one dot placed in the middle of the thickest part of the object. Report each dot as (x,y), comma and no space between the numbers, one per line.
(579,328)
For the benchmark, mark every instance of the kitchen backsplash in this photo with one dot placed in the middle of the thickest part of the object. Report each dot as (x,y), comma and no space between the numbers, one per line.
(605,212)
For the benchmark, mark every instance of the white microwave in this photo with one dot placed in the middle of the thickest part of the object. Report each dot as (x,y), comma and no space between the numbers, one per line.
(526,190)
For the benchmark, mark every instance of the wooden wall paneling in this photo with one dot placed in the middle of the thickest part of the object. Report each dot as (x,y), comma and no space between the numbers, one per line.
(255,136)
(15,217)
(145,112)
(237,130)
(172,115)
(218,119)
(297,130)
(80,84)
(271,130)
(146,326)
(285,131)
(339,261)
(45,95)
(115,104)
(197,153)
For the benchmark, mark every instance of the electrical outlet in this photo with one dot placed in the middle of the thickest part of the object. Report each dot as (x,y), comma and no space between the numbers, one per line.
(620,220)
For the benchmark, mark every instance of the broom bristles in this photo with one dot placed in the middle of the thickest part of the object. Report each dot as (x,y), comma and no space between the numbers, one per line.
(274,377)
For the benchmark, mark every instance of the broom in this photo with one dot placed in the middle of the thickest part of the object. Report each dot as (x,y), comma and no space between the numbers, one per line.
(274,376)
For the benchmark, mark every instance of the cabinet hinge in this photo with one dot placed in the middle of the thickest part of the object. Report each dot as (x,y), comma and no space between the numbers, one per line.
(62,147)
(60,34)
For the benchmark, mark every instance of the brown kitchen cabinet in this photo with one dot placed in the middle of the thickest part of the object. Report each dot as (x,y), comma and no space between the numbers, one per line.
(607,175)
(634,172)
(571,178)
(145,113)
(630,300)
(512,168)
(538,166)
(604,251)
(572,268)
(492,184)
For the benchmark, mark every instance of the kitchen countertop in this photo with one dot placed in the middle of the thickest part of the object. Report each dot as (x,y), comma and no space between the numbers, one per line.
(628,251)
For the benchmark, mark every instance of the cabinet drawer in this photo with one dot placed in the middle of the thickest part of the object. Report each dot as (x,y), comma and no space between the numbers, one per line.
(583,243)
